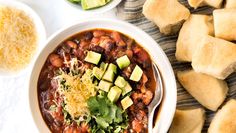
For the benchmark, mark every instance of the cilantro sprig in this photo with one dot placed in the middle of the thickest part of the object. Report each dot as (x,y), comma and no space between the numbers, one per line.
(106,116)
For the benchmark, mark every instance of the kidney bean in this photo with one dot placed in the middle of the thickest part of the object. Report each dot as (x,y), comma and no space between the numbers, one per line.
(84,44)
(88,35)
(137,126)
(98,33)
(72,129)
(129,53)
(144,78)
(147,97)
(97,49)
(84,127)
(71,44)
(55,60)
(95,41)
(119,41)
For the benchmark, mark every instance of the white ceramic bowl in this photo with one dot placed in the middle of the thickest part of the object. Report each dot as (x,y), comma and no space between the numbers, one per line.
(99,10)
(39,29)
(168,104)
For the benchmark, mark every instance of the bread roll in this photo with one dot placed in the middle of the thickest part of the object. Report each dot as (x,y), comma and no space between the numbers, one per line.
(188,121)
(215,57)
(224,120)
(207,90)
(168,15)
(230,4)
(198,3)
(191,33)
(225,23)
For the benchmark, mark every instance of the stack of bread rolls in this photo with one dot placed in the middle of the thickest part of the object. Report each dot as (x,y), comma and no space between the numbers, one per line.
(207,41)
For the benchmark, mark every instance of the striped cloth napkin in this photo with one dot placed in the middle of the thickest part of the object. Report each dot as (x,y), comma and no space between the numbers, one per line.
(131,11)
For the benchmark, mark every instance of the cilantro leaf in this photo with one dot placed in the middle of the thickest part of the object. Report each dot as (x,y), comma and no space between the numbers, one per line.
(101,122)
(106,115)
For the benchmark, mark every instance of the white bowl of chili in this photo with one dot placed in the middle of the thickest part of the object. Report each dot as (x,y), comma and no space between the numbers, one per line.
(168,105)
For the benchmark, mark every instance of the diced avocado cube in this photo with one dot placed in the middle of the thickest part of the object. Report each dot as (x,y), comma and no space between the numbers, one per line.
(114,93)
(104,85)
(112,67)
(136,74)
(75,1)
(95,82)
(98,73)
(123,61)
(120,82)
(90,4)
(126,89)
(93,57)
(109,76)
(103,66)
(126,102)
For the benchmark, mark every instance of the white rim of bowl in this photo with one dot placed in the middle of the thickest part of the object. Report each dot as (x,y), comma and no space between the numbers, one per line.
(125,24)
(98,10)
(40,31)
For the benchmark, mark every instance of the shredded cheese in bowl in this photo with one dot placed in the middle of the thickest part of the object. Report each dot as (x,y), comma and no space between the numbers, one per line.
(18,39)
(76,90)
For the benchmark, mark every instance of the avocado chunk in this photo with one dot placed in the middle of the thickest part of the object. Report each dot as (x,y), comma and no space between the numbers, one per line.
(95,82)
(136,74)
(120,82)
(123,61)
(104,85)
(93,57)
(112,67)
(126,89)
(103,66)
(126,102)
(98,73)
(75,1)
(90,4)
(114,93)
(109,76)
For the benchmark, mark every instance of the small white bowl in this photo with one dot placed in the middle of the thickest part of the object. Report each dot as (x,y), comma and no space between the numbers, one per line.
(168,105)
(98,10)
(40,32)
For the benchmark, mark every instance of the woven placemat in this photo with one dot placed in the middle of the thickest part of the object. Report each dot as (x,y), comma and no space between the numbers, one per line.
(131,11)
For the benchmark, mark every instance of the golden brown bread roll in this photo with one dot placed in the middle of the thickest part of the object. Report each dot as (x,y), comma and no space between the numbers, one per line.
(207,90)
(190,34)
(225,23)
(188,121)
(224,120)
(198,3)
(230,4)
(168,15)
(215,57)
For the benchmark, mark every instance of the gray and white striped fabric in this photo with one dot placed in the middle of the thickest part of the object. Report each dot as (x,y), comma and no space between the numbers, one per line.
(131,11)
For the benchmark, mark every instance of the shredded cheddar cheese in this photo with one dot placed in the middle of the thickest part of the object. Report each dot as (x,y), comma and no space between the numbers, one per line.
(76,91)
(18,39)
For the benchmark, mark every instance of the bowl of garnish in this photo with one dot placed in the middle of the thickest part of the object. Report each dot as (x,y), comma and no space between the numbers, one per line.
(99,75)
(21,35)
(94,6)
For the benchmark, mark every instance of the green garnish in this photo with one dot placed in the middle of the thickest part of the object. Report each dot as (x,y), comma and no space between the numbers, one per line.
(106,116)
(53,108)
